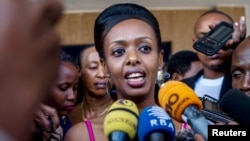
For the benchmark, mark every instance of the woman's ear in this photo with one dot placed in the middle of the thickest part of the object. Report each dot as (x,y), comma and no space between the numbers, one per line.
(176,76)
(79,71)
(105,67)
(80,74)
(102,62)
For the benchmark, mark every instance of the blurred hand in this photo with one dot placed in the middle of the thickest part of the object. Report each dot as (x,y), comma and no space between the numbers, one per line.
(28,60)
(42,115)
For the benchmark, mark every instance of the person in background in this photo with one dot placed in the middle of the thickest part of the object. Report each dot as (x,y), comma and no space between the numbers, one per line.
(240,73)
(215,78)
(240,67)
(216,75)
(94,100)
(183,64)
(28,62)
(64,91)
(62,96)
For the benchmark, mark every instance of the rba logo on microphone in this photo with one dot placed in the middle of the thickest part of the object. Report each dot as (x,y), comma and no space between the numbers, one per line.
(159,117)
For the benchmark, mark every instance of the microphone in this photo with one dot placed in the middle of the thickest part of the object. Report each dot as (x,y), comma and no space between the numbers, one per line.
(237,105)
(155,125)
(181,102)
(120,123)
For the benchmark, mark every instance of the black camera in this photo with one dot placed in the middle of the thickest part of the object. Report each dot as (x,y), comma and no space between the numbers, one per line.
(215,39)
(212,111)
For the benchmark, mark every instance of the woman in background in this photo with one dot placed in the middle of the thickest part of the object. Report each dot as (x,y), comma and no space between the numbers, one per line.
(62,97)
(94,99)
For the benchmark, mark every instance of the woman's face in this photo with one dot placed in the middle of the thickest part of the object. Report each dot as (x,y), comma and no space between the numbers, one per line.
(132,58)
(64,91)
(93,73)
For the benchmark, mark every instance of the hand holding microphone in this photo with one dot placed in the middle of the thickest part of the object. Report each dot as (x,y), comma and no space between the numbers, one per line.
(155,125)
(121,122)
(181,102)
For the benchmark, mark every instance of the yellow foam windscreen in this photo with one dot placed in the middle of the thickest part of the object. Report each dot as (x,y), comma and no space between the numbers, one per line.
(122,116)
(174,96)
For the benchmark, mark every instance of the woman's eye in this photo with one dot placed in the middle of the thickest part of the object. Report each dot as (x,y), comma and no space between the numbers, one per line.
(93,67)
(118,52)
(145,49)
(63,87)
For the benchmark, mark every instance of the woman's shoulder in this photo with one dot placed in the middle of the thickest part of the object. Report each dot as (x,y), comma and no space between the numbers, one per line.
(77,132)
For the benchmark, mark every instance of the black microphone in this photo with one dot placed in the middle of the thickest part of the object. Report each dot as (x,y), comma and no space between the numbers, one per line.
(155,125)
(237,105)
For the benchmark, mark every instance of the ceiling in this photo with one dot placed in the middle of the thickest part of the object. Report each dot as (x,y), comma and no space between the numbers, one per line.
(89,5)
(98,5)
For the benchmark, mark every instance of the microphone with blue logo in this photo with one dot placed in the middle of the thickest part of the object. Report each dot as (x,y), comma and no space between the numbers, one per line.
(155,125)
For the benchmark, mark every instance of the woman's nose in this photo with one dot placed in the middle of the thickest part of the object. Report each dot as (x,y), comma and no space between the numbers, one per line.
(132,57)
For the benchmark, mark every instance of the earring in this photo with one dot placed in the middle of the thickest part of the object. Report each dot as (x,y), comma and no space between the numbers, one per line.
(160,77)
(108,88)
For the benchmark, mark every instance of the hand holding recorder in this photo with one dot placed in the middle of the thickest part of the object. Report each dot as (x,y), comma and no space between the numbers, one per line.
(222,36)
(215,39)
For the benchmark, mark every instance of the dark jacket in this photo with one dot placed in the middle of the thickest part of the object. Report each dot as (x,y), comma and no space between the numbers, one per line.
(226,84)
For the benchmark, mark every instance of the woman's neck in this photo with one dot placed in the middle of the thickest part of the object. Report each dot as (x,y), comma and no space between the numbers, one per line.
(150,101)
(93,107)
(142,103)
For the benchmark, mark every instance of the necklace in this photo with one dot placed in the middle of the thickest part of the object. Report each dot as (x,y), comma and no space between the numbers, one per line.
(99,114)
